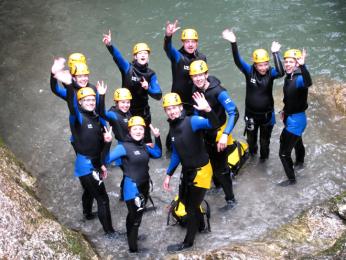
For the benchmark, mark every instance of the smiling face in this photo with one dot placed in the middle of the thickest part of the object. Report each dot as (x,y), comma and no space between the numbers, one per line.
(190,46)
(88,103)
(173,112)
(142,57)
(123,105)
(82,80)
(200,80)
(137,132)
(290,65)
(262,67)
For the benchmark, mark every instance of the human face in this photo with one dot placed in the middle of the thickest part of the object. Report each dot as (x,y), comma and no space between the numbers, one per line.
(262,67)
(200,80)
(290,65)
(190,46)
(137,132)
(123,105)
(82,80)
(173,112)
(88,103)
(142,57)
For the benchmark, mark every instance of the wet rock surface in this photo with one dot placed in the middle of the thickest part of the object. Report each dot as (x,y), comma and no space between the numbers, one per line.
(28,230)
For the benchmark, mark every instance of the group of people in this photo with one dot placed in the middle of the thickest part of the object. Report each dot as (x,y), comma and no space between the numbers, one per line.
(201,117)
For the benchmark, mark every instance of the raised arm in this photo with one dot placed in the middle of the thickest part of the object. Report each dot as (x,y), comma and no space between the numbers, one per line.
(279,69)
(172,53)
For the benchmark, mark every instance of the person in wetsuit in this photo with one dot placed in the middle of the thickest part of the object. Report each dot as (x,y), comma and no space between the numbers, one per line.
(118,117)
(297,82)
(80,78)
(135,155)
(138,78)
(188,148)
(218,139)
(259,102)
(180,65)
(90,150)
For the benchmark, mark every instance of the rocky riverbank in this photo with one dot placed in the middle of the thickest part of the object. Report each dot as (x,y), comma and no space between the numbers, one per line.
(28,230)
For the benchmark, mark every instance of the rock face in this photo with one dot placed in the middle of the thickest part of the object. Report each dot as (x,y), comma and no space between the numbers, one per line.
(28,230)
(330,93)
(319,233)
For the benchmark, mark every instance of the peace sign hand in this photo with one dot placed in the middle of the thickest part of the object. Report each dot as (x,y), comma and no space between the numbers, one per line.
(107,38)
(107,135)
(301,60)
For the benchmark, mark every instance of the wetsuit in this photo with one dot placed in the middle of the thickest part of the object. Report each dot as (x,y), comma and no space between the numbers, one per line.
(189,150)
(180,63)
(119,122)
(227,113)
(89,145)
(295,103)
(259,102)
(61,92)
(135,157)
(132,74)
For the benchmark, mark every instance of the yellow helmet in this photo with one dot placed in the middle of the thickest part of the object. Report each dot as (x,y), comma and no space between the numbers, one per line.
(79,69)
(84,92)
(122,94)
(293,53)
(171,99)
(140,47)
(198,67)
(75,58)
(136,120)
(189,34)
(260,55)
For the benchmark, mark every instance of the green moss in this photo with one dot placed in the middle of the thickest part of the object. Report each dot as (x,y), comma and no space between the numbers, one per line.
(338,247)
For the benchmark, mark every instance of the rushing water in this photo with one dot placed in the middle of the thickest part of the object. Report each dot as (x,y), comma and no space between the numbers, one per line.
(34,122)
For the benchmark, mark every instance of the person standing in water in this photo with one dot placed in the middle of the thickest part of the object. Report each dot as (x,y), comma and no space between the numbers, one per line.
(296,85)
(138,78)
(259,102)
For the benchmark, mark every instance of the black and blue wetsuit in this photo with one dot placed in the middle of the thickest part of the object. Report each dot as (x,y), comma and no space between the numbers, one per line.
(259,102)
(61,92)
(135,157)
(295,103)
(87,130)
(180,63)
(227,113)
(132,74)
(188,148)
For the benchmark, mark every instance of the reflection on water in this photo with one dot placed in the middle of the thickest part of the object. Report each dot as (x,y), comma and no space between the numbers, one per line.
(34,122)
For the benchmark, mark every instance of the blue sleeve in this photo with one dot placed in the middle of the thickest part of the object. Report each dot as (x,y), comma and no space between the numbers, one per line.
(198,123)
(174,162)
(154,152)
(122,64)
(72,104)
(118,152)
(172,53)
(304,80)
(230,108)
(58,90)
(154,89)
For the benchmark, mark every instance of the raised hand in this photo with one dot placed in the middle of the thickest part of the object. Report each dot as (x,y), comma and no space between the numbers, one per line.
(101,87)
(107,38)
(144,83)
(58,65)
(154,130)
(171,28)
(64,76)
(275,46)
(301,60)
(229,35)
(202,103)
(107,135)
